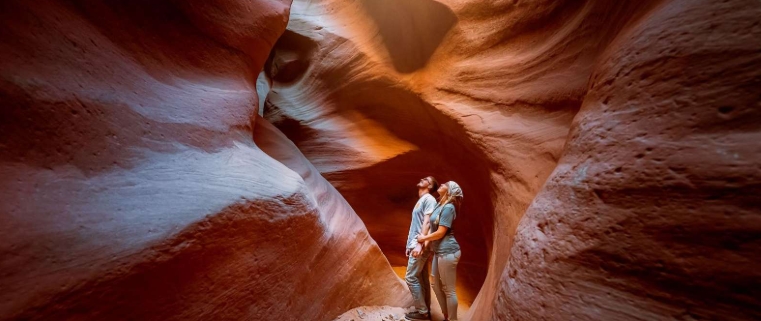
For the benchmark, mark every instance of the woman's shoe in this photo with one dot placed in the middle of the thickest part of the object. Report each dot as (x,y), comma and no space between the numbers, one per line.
(417,316)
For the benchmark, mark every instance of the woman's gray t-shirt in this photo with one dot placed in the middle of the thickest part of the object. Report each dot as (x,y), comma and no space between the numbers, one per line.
(444,216)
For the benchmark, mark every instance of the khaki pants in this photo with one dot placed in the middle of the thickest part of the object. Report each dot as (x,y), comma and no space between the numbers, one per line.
(444,277)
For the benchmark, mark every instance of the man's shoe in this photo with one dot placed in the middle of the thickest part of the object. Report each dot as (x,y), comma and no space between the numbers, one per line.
(417,316)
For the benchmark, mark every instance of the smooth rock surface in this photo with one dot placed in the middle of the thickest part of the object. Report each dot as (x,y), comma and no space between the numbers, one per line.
(132,188)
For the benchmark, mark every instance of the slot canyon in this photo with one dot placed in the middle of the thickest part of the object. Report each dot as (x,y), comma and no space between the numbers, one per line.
(257,159)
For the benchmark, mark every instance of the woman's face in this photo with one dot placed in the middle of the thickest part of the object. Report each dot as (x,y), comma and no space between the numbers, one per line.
(443,189)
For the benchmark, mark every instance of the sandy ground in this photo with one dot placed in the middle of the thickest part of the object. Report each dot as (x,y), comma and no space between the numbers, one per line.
(386,313)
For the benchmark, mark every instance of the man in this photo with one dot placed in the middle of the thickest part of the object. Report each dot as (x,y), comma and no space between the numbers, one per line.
(417,264)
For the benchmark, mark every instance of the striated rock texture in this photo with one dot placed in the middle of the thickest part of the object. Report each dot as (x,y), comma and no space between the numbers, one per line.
(132,188)
(654,211)
(647,109)
(608,151)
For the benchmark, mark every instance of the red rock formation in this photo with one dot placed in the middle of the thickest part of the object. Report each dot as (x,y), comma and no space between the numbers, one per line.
(653,210)
(132,188)
(138,183)
(491,107)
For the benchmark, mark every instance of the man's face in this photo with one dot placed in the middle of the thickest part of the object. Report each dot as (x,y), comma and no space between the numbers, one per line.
(424,182)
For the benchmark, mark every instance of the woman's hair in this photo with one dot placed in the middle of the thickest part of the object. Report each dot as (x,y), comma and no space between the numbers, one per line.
(434,185)
(453,195)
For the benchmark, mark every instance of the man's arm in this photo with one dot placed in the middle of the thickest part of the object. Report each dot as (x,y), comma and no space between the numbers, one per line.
(426,227)
(429,208)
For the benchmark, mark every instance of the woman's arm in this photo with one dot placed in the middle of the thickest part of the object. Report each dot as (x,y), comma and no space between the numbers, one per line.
(445,221)
(439,234)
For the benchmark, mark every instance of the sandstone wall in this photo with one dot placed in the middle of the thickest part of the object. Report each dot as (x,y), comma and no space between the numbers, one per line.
(132,187)
(653,210)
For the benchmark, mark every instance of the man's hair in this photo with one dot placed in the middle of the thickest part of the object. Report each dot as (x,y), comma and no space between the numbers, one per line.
(434,185)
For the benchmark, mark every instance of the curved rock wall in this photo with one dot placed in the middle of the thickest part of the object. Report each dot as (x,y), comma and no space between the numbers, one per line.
(131,185)
(653,210)
(509,90)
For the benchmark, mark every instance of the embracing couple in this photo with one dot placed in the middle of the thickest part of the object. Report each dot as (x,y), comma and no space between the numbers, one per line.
(431,236)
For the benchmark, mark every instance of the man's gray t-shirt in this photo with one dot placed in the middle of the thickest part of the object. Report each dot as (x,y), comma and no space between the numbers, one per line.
(425,205)
(444,216)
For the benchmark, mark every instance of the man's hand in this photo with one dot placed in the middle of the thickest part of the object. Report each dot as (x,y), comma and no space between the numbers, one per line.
(417,251)
(407,252)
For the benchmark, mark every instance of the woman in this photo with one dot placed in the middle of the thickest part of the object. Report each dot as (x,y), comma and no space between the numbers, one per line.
(445,248)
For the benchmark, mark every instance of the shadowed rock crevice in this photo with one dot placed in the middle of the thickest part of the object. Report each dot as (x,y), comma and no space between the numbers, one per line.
(386,213)
(411,30)
(290,58)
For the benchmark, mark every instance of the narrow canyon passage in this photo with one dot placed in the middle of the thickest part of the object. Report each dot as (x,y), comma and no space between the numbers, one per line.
(257,159)
(378,94)
(383,193)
